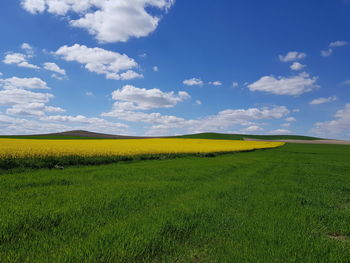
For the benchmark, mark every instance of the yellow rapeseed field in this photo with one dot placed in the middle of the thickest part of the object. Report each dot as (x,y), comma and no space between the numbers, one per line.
(42,148)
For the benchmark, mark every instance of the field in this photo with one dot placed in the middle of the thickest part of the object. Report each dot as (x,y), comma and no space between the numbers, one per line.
(41,153)
(288,204)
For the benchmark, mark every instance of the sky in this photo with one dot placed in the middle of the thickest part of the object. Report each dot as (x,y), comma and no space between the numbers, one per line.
(166,67)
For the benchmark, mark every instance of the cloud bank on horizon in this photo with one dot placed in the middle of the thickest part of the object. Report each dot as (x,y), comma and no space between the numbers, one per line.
(152,67)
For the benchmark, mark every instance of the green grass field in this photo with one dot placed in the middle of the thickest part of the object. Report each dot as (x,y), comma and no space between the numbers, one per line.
(290,204)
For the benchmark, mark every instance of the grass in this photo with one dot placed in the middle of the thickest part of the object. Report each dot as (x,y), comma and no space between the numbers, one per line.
(223,136)
(290,204)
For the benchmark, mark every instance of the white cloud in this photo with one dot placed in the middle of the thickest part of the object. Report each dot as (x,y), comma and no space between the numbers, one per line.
(252,128)
(291,119)
(132,98)
(286,124)
(21,97)
(346,82)
(323,100)
(81,122)
(338,44)
(89,94)
(11,125)
(198,102)
(111,64)
(292,56)
(32,109)
(24,102)
(193,82)
(293,86)
(58,77)
(280,132)
(1,74)
(28,49)
(108,21)
(136,116)
(155,69)
(235,84)
(332,45)
(20,101)
(216,83)
(130,74)
(219,122)
(297,66)
(23,83)
(143,55)
(54,68)
(77,119)
(340,124)
(326,53)
(26,46)
(21,60)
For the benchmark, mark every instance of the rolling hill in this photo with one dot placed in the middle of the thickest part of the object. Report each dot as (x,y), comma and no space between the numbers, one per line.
(80,134)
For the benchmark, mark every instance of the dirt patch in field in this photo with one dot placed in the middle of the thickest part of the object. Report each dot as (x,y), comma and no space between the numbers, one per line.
(337,237)
(304,141)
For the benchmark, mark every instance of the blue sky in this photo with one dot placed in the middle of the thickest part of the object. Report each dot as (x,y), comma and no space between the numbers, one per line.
(164,67)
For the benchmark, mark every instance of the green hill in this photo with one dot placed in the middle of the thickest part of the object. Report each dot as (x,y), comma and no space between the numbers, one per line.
(223,136)
(71,135)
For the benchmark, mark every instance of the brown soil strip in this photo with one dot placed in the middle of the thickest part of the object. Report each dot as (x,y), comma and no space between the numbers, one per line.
(304,141)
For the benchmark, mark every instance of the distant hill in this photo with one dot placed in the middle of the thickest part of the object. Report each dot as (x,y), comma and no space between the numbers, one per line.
(79,134)
(223,136)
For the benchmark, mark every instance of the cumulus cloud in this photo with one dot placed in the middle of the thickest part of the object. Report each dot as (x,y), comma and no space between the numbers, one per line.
(346,82)
(82,122)
(288,124)
(216,83)
(292,56)
(18,100)
(21,60)
(323,100)
(32,109)
(326,53)
(155,69)
(198,102)
(293,86)
(25,102)
(13,125)
(219,122)
(132,98)
(26,46)
(253,128)
(23,83)
(291,119)
(50,66)
(235,84)
(297,66)
(339,125)
(21,97)
(332,46)
(111,64)
(28,49)
(193,82)
(338,44)
(280,132)
(107,20)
